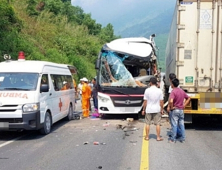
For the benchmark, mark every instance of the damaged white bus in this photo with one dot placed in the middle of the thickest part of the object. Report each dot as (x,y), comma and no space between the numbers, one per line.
(124,67)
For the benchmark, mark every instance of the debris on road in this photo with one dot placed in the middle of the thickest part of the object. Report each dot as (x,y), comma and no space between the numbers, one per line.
(131,129)
(126,134)
(95,143)
(133,142)
(119,126)
(123,127)
(127,128)
(85,143)
(129,119)
(106,124)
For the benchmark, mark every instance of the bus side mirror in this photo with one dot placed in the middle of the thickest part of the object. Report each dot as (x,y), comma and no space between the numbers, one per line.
(44,88)
(97,64)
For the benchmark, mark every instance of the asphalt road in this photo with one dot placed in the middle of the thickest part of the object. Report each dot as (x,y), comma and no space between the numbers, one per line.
(70,146)
(201,151)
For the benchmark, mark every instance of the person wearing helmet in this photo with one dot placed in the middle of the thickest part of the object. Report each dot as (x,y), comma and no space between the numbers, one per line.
(86,94)
(65,85)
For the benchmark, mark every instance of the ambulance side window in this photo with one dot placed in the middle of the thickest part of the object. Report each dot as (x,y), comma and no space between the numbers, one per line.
(56,79)
(62,82)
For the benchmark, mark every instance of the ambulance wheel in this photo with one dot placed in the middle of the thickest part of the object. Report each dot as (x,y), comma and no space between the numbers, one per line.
(70,113)
(47,124)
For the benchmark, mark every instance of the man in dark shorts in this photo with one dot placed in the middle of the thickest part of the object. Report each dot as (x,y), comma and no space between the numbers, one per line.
(177,102)
(153,107)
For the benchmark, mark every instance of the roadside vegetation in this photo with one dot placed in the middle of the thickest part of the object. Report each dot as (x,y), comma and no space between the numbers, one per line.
(52,30)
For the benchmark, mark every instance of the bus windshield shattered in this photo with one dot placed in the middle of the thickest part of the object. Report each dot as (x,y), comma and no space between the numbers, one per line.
(113,72)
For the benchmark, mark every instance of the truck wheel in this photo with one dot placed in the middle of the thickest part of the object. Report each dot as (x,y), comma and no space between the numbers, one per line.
(47,124)
(70,113)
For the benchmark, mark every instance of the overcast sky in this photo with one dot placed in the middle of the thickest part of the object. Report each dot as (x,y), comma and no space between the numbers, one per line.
(125,14)
(107,11)
(89,4)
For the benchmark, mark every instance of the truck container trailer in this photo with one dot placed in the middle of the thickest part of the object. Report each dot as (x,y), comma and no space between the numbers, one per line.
(194,54)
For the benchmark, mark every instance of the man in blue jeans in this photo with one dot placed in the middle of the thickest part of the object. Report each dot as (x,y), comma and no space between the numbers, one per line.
(177,102)
(171,77)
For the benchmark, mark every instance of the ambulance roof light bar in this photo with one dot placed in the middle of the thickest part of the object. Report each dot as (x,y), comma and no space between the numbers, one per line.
(21,56)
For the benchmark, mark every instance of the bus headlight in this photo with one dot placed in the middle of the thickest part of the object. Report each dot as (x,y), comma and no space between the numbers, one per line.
(30,107)
(103,99)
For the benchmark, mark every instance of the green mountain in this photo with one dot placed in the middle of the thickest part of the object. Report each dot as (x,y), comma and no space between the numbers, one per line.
(52,30)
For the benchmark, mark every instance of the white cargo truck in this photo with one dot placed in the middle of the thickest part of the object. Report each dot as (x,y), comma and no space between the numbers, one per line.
(194,54)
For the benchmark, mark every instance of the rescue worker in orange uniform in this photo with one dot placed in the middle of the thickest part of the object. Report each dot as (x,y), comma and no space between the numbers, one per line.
(86,94)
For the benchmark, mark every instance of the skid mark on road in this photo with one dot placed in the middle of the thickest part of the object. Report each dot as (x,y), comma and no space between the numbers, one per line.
(144,164)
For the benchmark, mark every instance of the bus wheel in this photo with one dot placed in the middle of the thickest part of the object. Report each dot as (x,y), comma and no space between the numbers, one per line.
(70,113)
(47,124)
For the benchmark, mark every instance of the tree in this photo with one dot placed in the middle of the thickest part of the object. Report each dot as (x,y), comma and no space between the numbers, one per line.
(107,33)
(54,6)
(67,1)
(93,27)
(31,8)
(9,28)
(75,15)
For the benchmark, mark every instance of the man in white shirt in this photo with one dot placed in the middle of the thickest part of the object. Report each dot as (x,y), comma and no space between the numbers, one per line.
(153,107)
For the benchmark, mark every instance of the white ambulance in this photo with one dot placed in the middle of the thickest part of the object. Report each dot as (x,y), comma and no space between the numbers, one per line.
(35,94)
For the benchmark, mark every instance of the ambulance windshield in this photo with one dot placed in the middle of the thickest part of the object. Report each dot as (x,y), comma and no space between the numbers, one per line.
(18,81)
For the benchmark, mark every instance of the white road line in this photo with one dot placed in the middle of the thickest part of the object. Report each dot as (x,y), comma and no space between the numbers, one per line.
(13,140)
